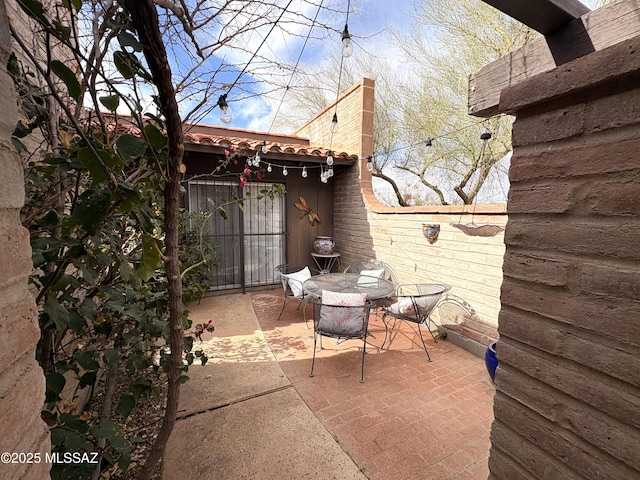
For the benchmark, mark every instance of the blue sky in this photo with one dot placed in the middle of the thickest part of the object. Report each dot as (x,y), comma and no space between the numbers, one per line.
(368,19)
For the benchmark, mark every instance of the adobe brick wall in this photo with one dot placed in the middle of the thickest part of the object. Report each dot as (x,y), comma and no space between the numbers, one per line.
(567,404)
(471,265)
(22,384)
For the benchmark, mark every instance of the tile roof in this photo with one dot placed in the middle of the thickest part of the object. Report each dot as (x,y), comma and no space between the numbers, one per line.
(250,140)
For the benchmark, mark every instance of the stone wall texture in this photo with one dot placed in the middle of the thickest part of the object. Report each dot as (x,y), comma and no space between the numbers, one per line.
(22,383)
(567,404)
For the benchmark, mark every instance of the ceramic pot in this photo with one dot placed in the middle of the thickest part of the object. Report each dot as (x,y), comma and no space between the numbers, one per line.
(324,245)
(491,361)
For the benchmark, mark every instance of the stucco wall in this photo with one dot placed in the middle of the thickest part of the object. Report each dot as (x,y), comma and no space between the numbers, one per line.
(22,384)
(568,386)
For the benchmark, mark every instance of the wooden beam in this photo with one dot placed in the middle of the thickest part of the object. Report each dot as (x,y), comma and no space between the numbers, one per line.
(544,16)
(596,30)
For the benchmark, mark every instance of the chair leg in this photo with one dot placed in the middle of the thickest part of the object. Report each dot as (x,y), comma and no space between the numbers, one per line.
(364,350)
(284,304)
(424,344)
(313,359)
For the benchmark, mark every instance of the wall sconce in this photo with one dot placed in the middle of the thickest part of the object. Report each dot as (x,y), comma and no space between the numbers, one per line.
(431,232)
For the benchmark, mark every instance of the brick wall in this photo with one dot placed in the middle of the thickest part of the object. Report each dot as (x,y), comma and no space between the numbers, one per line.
(355,120)
(567,404)
(22,384)
(471,265)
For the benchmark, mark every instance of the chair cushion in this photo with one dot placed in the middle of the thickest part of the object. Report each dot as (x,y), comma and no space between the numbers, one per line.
(369,273)
(401,306)
(296,279)
(337,320)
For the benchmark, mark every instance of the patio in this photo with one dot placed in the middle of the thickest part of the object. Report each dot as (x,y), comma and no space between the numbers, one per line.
(409,420)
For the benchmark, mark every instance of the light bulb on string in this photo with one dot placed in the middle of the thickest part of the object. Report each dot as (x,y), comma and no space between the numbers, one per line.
(304,172)
(347,43)
(225,111)
(329,158)
(334,124)
(370,163)
(269,169)
(330,172)
(284,171)
(264,148)
(256,160)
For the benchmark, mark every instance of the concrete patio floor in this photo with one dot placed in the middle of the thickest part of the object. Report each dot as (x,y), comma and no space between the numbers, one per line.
(254,412)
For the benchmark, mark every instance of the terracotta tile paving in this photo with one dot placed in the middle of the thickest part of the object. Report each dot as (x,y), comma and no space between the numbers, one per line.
(410,419)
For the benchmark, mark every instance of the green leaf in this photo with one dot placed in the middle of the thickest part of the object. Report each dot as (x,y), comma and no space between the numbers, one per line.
(128,40)
(77,4)
(111,102)
(183,379)
(125,405)
(87,360)
(157,139)
(124,65)
(68,77)
(55,384)
(111,356)
(92,208)
(130,147)
(187,344)
(151,257)
(87,379)
(49,220)
(35,10)
(58,316)
(63,30)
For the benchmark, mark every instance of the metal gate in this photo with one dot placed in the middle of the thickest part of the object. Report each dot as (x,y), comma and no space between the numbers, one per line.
(250,240)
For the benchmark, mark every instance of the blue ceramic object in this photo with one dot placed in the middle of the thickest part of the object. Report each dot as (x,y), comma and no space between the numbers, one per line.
(491,361)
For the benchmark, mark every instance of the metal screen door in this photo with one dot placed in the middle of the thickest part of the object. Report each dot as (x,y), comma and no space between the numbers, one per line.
(251,240)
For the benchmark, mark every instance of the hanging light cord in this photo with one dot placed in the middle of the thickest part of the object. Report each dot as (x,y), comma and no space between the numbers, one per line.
(295,68)
(335,110)
(260,46)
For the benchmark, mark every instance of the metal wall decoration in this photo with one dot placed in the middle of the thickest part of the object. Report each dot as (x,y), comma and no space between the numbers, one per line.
(431,232)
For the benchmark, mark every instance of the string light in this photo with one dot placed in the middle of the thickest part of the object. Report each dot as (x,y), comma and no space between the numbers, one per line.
(269,169)
(330,172)
(334,124)
(329,158)
(370,163)
(256,160)
(347,43)
(225,111)
(264,148)
(284,171)
(304,172)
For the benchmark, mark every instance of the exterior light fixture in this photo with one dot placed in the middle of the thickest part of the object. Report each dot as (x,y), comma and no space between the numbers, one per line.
(225,112)
(347,43)
(329,158)
(264,149)
(284,171)
(269,169)
(334,124)
(304,172)
(256,160)
(370,163)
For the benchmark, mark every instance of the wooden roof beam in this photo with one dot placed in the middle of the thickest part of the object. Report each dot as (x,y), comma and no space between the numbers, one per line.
(544,16)
(597,30)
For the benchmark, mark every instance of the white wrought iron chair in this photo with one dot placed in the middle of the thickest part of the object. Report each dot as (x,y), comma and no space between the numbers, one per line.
(414,304)
(293,277)
(344,316)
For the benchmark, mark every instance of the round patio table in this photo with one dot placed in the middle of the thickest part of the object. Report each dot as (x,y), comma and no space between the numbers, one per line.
(375,288)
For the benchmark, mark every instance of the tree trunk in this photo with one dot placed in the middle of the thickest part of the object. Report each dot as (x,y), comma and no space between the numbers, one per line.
(145,21)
